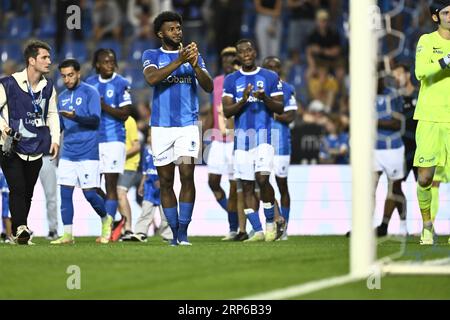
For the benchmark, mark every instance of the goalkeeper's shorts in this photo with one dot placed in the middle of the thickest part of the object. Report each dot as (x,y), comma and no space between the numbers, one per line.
(442,174)
(433,144)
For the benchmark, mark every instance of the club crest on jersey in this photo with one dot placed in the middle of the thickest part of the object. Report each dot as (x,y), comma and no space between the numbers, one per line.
(109,93)
(78,101)
(260,84)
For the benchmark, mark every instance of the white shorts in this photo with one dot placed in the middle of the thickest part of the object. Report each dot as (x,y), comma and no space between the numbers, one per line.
(220,158)
(83,174)
(259,159)
(112,157)
(171,143)
(391,162)
(281,165)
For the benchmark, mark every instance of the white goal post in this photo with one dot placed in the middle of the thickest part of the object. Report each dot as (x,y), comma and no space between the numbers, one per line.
(363,61)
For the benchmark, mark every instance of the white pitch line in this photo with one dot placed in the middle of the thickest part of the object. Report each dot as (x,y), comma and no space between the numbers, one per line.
(438,266)
(303,289)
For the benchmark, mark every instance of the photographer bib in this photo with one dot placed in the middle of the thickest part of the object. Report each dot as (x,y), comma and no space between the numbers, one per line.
(27,113)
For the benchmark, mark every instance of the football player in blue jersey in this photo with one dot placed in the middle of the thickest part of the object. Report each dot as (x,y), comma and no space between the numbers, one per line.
(79,108)
(6,218)
(150,191)
(173,70)
(389,152)
(280,127)
(252,95)
(116,106)
(410,94)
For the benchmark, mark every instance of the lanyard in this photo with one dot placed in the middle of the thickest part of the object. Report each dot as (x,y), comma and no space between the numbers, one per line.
(36,102)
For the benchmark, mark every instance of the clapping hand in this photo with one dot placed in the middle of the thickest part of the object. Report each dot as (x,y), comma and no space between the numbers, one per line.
(193,57)
(189,54)
(259,94)
(247,92)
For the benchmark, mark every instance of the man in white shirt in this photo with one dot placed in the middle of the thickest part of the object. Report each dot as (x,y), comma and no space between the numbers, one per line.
(28,117)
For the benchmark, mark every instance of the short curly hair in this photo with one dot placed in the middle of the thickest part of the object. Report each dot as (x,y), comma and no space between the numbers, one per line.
(166,16)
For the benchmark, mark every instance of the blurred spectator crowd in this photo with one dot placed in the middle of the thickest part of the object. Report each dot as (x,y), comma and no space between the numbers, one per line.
(310,37)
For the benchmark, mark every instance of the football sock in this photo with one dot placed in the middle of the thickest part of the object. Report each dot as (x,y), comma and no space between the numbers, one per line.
(172,219)
(253,217)
(424,198)
(185,218)
(5,204)
(66,205)
(96,202)
(434,203)
(233,221)
(111,207)
(269,211)
(285,213)
(223,203)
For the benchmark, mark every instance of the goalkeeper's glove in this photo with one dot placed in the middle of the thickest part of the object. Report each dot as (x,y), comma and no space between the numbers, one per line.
(445,61)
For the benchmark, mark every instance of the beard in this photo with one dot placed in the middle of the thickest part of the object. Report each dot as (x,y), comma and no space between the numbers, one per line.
(171,43)
(74,85)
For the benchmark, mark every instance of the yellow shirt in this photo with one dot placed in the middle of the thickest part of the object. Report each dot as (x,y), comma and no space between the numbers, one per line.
(319,90)
(131,131)
(434,96)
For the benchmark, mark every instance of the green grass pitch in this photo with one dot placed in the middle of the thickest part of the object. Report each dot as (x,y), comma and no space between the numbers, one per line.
(210,269)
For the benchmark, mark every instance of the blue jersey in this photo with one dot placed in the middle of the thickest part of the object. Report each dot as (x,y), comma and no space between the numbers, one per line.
(336,142)
(175,100)
(151,193)
(81,136)
(115,93)
(253,124)
(3,184)
(282,144)
(387,105)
